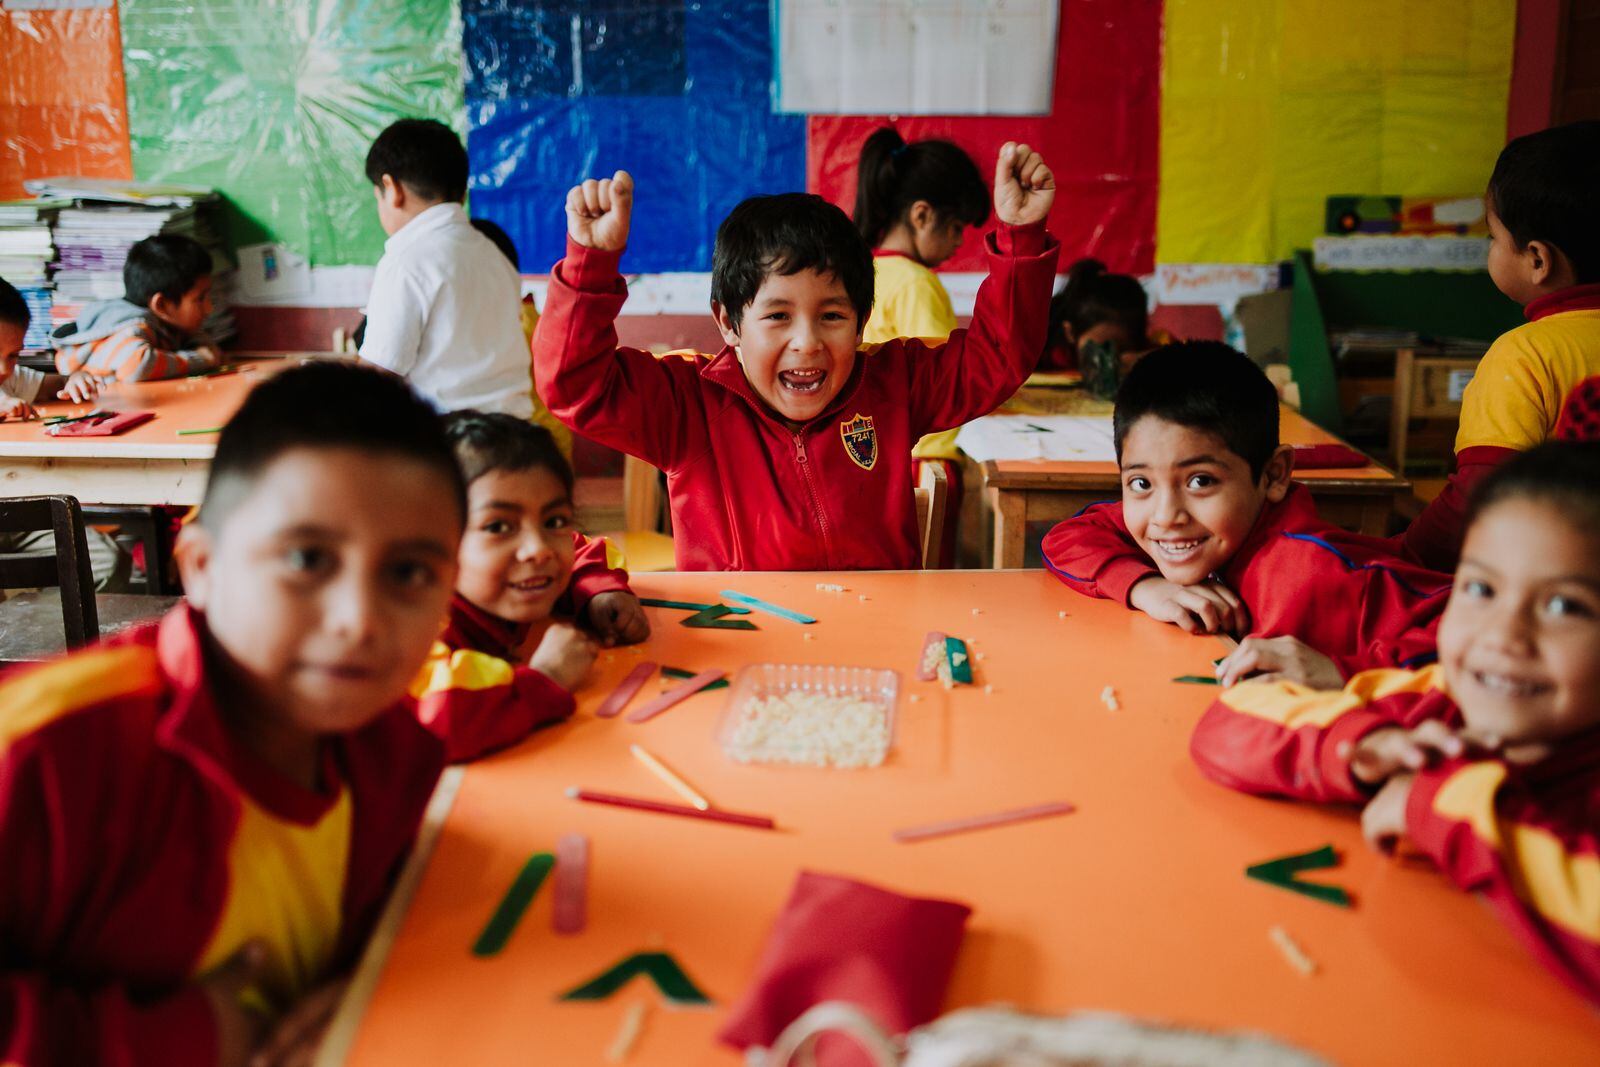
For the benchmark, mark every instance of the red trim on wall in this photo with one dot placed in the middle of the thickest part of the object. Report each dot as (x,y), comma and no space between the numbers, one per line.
(1530,103)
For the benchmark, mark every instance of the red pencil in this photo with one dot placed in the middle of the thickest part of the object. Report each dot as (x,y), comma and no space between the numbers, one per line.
(760,822)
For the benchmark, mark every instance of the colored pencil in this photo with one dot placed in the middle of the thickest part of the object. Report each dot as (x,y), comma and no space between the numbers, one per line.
(760,822)
(663,772)
(571,912)
(982,822)
(673,696)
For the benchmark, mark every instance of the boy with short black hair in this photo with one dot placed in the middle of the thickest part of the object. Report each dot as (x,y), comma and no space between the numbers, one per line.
(443,312)
(521,562)
(219,802)
(1212,534)
(1489,760)
(157,329)
(1544,253)
(791,449)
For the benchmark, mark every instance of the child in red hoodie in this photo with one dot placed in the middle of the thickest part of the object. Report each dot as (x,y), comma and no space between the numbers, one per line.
(791,449)
(1212,534)
(521,561)
(1488,761)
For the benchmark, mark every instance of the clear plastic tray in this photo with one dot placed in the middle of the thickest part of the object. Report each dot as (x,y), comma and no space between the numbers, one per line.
(758,681)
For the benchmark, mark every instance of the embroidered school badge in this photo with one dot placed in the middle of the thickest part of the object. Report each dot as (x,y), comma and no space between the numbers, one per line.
(860,440)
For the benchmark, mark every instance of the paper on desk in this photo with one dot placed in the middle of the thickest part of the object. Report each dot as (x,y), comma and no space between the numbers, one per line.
(1079,438)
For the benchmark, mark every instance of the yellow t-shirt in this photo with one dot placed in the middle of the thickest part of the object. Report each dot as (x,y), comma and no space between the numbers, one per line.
(1515,397)
(910,301)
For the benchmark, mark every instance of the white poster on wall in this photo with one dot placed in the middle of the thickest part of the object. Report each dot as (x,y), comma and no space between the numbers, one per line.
(916,57)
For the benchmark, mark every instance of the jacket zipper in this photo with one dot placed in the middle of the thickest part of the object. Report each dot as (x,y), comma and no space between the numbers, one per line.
(811,491)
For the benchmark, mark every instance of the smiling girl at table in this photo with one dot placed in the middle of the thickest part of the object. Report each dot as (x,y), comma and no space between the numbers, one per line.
(521,561)
(1488,761)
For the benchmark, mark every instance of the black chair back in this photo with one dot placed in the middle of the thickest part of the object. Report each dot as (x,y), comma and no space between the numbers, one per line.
(68,568)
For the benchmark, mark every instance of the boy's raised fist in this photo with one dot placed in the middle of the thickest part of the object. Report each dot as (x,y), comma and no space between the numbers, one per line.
(1024,188)
(598,212)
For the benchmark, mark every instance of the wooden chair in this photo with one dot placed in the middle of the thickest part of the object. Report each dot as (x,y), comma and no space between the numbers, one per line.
(65,612)
(643,543)
(932,498)
(1425,387)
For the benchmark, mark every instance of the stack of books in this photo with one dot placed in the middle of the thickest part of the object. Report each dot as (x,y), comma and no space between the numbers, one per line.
(105,219)
(27,256)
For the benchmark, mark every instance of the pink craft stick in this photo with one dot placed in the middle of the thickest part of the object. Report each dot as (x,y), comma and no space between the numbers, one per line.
(619,697)
(666,700)
(924,672)
(982,822)
(571,912)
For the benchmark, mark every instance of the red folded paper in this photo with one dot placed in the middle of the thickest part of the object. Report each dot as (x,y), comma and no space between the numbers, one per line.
(1327,457)
(108,425)
(837,939)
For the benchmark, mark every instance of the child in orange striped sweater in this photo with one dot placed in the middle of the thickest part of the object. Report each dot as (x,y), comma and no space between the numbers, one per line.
(156,329)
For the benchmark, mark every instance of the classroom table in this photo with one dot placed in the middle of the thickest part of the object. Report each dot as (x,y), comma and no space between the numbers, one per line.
(148,465)
(1136,903)
(1018,492)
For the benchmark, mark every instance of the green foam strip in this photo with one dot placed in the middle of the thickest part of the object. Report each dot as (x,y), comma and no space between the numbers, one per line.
(659,967)
(504,920)
(1196,679)
(679,672)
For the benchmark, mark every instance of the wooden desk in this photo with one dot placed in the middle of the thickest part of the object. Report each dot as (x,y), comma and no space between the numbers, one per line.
(1021,491)
(1136,903)
(149,464)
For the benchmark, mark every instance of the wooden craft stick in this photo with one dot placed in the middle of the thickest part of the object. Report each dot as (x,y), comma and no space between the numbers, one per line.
(675,783)
(770,609)
(1292,951)
(672,696)
(983,822)
(619,697)
(933,651)
(760,822)
(628,1033)
(571,912)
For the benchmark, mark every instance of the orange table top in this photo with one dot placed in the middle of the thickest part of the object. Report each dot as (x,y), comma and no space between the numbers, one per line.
(1136,903)
(178,403)
(1294,429)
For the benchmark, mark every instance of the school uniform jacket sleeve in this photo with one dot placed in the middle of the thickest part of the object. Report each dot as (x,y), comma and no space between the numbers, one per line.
(45,803)
(592,574)
(477,703)
(1094,553)
(981,367)
(1434,537)
(1282,739)
(622,397)
(1536,860)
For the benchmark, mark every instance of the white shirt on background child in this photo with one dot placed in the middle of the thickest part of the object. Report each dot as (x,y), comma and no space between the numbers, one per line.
(445,314)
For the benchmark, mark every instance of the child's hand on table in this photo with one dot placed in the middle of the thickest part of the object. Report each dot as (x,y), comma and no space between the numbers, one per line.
(617,618)
(1208,608)
(80,387)
(598,212)
(1024,188)
(1383,820)
(239,1029)
(1394,750)
(297,1037)
(12,407)
(564,655)
(1279,659)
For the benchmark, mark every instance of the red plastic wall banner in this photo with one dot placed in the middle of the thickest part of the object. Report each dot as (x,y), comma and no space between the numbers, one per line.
(1101,137)
(63,110)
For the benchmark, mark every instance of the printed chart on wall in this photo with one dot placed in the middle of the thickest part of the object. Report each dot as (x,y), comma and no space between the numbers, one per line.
(961,57)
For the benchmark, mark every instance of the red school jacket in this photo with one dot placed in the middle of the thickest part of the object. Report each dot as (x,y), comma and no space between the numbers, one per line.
(1526,837)
(1346,595)
(474,691)
(746,491)
(122,802)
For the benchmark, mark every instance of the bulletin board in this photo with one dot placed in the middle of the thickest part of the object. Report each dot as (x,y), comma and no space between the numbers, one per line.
(1269,108)
(678,94)
(276,105)
(1101,138)
(53,125)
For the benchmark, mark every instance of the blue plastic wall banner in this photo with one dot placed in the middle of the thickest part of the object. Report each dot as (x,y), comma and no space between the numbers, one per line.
(678,93)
